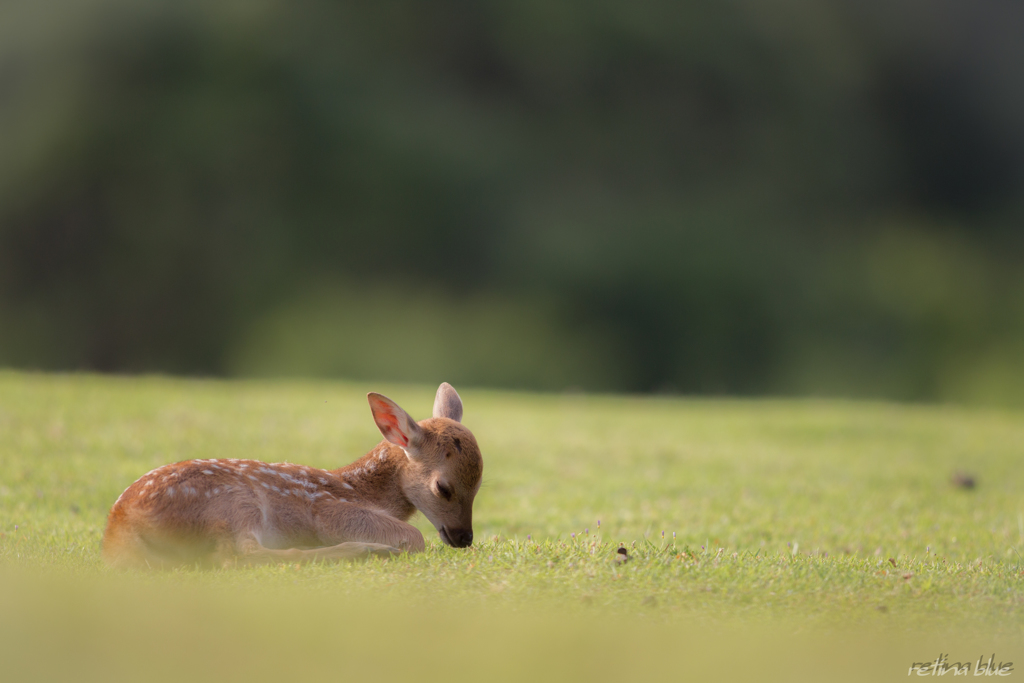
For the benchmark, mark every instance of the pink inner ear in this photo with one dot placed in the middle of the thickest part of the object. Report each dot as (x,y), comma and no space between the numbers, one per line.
(390,423)
(401,440)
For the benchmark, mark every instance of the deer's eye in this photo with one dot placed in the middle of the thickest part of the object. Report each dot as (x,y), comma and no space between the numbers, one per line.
(444,491)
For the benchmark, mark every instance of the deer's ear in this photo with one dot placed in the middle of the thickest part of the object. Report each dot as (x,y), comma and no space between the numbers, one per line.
(447,403)
(394,423)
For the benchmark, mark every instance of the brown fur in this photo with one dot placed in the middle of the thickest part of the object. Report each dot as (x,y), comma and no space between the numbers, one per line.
(224,511)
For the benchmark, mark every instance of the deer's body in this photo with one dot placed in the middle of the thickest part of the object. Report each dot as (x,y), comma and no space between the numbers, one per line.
(219,511)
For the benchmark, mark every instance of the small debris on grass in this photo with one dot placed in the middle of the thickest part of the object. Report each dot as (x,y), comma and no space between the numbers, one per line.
(621,555)
(963,480)
(892,561)
(908,575)
(882,608)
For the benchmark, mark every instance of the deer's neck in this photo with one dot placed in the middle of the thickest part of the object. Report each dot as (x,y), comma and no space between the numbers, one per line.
(375,479)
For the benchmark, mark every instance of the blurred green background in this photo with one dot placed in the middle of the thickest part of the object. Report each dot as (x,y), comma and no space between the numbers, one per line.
(728,197)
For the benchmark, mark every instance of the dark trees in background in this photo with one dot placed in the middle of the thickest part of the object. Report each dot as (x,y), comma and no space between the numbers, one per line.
(722,197)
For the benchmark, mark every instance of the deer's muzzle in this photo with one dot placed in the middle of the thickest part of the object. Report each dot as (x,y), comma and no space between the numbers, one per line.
(457,538)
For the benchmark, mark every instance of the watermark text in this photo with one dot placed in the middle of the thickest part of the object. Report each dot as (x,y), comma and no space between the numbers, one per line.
(941,666)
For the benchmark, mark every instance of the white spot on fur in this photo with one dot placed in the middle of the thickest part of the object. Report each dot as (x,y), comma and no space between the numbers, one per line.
(347,485)
(287,477)
(207,471)
(265,484)
(148,483)
(207,494)
(323,481)
(383,454)
(252,477)
(170,492)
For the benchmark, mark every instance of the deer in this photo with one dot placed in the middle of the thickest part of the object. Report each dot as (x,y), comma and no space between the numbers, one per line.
(247,512)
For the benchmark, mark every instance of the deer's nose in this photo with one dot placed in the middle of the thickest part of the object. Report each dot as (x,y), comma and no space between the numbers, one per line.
(460,538)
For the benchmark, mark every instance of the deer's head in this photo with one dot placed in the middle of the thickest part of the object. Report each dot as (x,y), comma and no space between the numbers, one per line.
(443,470)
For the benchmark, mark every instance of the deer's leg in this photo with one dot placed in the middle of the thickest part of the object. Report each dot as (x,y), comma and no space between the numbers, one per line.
(250,552)
(338,522)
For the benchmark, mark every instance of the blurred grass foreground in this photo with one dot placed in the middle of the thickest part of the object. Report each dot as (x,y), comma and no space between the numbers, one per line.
(716,197)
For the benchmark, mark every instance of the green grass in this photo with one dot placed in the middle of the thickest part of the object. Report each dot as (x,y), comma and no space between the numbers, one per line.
(802,538)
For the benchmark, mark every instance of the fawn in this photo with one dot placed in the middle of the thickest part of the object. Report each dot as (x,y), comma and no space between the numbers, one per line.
(225,511)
